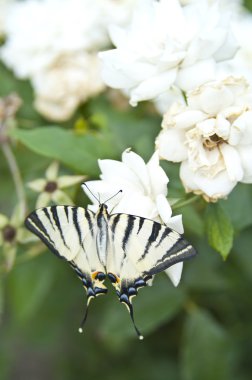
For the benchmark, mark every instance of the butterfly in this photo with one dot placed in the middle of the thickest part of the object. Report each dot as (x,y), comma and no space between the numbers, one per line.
(128,249)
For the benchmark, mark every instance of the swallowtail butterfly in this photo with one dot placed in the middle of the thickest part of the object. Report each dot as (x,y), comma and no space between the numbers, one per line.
(128,249)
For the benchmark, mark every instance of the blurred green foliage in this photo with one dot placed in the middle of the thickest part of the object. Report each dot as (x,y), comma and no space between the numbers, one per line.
(201,330)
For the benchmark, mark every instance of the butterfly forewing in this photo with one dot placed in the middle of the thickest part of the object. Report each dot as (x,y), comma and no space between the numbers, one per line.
(70,232)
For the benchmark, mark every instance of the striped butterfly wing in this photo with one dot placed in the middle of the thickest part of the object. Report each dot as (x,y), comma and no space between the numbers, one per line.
(69,232)
(140,248)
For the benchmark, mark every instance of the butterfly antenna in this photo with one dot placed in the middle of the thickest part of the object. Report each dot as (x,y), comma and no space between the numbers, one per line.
(130,307)
(120,191)
(98,199)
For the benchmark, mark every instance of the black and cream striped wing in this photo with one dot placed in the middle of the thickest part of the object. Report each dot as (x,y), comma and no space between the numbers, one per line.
(140,248)
(70,233)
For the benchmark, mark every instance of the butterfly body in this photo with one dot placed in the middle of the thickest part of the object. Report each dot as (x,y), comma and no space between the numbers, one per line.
(127,249)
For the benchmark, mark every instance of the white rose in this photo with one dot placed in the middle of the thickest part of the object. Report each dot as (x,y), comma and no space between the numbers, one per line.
(212,137)
(168,44)
(67,82)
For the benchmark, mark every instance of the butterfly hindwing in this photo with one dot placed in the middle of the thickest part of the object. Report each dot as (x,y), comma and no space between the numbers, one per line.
(69,232)
(143,248)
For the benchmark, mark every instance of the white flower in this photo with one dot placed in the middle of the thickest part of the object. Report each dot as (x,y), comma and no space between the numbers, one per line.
(242,62)
(168,44)
(54,43)
(66,83)
(144,190)
(12,233)
(4,4)
(212,137)
(50,187)
(56,27)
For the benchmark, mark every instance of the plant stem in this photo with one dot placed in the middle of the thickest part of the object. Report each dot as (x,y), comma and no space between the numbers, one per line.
(185,202)
(14,169)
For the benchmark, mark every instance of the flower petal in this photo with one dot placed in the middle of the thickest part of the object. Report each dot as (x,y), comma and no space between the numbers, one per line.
(61,198)
(211,99)
(69,180)
(164,208)
(9,253)
(37,185)
(232,162)
(176,224)
(245,153)
(157,176)
(52,171)
(193,76)
(137,166)
(213,188)
(171,145)
(103,190)
(150,88)
(43,200)
(118,173)
(174,273)
(3,221)
(137,204)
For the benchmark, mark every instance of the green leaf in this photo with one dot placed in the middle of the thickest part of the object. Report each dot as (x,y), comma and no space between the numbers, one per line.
(80,152)
(205,349)
(154,306)
(219,229)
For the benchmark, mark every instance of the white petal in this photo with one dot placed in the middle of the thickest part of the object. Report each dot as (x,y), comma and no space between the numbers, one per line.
(152,87)
(175,272)
(69,180)
(241,130)
(137,204)
(171,145)
(211,98)
(121,70)
(158,177)
(164,101)
(118,172)
(9,252)
(3,221)
(103,190)
(183,120)
(176,224)
(37,185)
(207,127)
(52,171)
(137,166)
(164,208)
(232,161)
(193,76)
(214,188)
(245,153)
(61,198)
(43,199)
